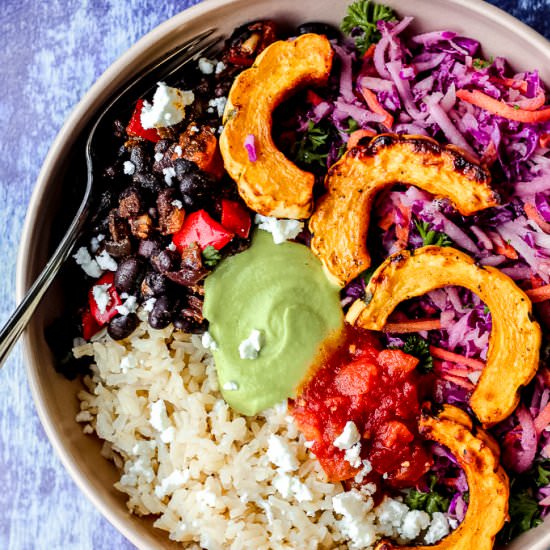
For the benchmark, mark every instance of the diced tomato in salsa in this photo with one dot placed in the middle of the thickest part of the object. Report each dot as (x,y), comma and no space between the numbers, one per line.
(380,391)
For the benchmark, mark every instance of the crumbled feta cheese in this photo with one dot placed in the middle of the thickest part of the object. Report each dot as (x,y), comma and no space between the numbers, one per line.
(124,295)
(206,66)
(415,521)
(169,174)
(391,512)
(130,305)
(439,528)
(159,418)
(220,129)
(87,263)
(349,436)
(231,385)
(280,454)
(282,230)
(106,262)
(251,346)
(171,483)
(365,471)
(129,168)
(178,150)
(208,342)
(219,104)
(172,247)
(353,455)
(194,129)
(158,157)
(168,107)
(101,296)
(220,67)
(177,203)
(355,524)
(289,487)
(149,304)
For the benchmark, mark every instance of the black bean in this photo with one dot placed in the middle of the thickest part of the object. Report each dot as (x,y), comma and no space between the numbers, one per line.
(319,28)
(164,261)
(184,166)
(190,325)
(148,248)
(128,275)
(197,188)
(154,284)
(122,326)
(161,314)
(149,182)
(139,158)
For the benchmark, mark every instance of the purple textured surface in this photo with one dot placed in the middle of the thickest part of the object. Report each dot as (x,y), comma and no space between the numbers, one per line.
(50,54)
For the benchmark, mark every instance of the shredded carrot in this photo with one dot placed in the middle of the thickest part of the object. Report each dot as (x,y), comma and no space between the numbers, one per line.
(370,52)
(461,373)
(446,355)
(376,107)
(415,325)
(502,247)
(520,85)
(544,141)
(386,221)
(543,419)
(533,214)
(358,135)
(540,294)
(464,382)
(490,154)
(500,108)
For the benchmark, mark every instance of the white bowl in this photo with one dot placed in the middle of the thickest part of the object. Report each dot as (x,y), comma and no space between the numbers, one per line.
(54,396)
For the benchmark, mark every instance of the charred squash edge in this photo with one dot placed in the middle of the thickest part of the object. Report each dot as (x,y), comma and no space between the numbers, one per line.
(341,219)
(477,453)
(278,188)
(514,344)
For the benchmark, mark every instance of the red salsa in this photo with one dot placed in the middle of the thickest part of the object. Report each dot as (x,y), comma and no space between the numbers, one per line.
(380,390)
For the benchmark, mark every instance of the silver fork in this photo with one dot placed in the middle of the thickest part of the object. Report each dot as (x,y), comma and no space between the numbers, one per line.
(199,45)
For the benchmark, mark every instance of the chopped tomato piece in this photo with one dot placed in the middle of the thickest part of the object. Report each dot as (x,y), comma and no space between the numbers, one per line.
(103,316)
(313,98)
(397,361)
(356,378)
(235,218)
(135,128)
(200,228)
(394,432)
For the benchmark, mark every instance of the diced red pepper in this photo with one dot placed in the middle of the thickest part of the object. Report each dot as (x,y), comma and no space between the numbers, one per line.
(235,218)
(135,128)
(313,98)
(103,317)
(89,325)
(397,361)
(356,378)
(200,228)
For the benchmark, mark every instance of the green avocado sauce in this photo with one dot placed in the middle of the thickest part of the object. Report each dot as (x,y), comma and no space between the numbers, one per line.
(282,291)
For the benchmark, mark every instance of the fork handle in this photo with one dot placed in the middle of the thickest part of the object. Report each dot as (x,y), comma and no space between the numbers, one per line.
(20,318)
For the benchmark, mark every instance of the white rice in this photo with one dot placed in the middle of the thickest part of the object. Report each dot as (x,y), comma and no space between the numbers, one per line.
(204,470)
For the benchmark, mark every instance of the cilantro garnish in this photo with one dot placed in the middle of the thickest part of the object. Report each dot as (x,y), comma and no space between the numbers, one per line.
(419,348)
(543,474)
(523,509)
(210,256)
(353,125)
(313,146)
(482,63)
(360,22)
(431,502)
(431,237)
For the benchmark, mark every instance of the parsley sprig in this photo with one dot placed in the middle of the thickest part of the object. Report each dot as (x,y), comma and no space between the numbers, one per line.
(431,237)
(419,348)
(313,147)
(360,22)
(210,256)
(431,502)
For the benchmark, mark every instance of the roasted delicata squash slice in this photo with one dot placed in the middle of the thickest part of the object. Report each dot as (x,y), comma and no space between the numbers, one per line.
(477,454)
(271,184)
(341,219)
(513,355)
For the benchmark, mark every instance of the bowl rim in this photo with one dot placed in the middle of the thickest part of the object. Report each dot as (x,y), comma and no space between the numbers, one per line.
(183,20)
